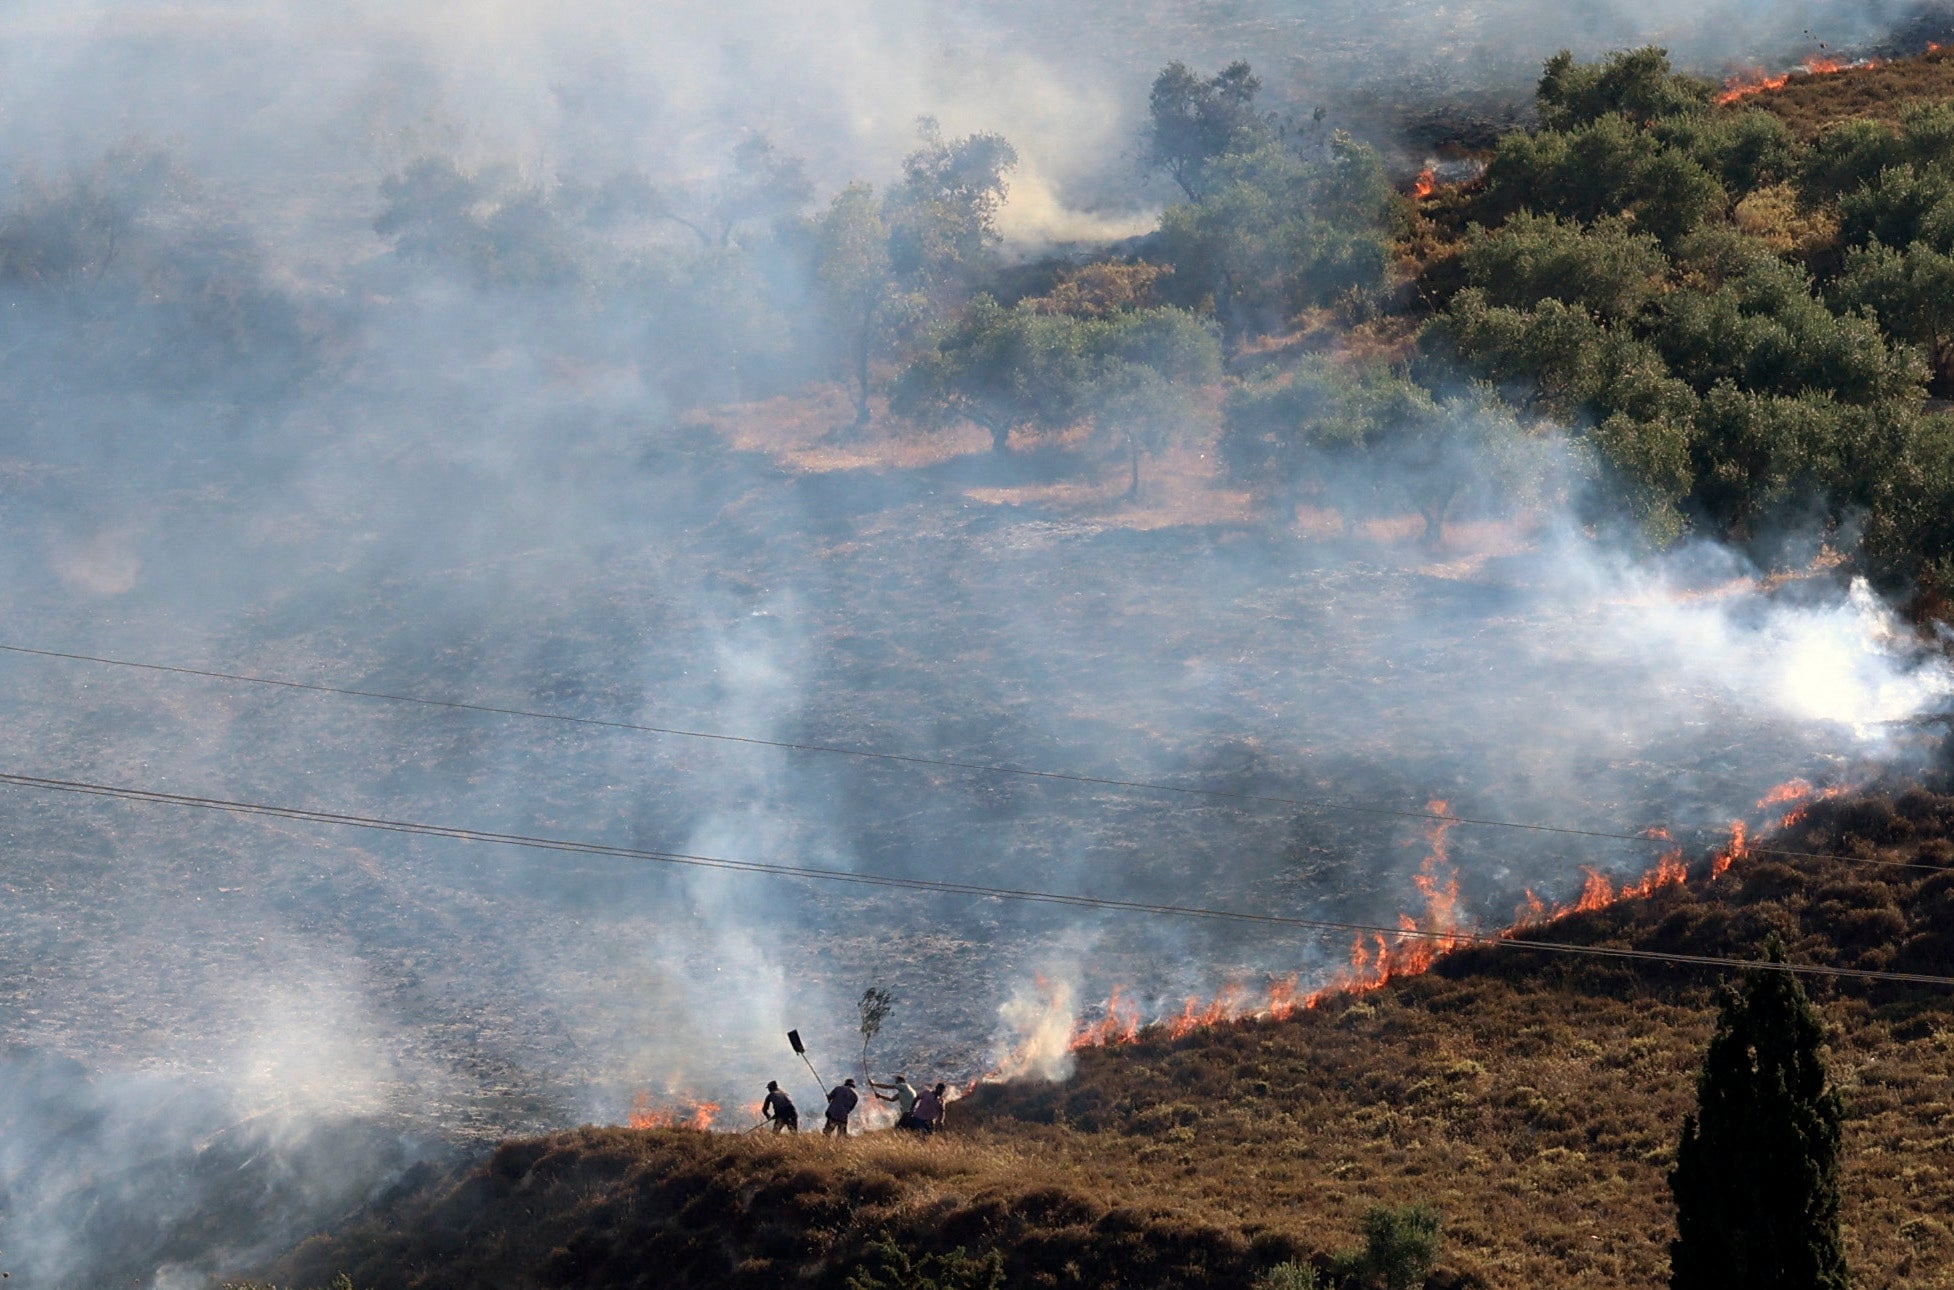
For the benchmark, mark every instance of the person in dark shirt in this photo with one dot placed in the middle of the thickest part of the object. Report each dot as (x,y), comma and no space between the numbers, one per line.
(928,1115)
(841,1104)
(780,1109)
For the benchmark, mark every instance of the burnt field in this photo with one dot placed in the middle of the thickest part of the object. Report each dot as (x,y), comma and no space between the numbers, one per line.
(476,990)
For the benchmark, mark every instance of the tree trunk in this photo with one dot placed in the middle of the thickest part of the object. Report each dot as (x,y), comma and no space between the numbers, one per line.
(861,371)
(1133,483)
(1433,509)
(1000,440)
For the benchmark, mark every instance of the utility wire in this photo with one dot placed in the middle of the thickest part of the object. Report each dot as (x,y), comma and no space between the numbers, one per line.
(872,754)
(156,797)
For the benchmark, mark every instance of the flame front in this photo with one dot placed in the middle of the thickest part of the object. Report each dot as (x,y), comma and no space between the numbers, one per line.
(1426,185)
(1731,852)
(1377,958)
(1745,84)
(1803,794)
(650,1113)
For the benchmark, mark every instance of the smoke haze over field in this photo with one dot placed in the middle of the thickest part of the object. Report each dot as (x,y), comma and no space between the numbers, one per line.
(239,431)
(294,101)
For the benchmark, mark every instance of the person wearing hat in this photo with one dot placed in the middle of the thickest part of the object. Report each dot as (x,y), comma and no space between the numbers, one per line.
(903,1096)
(841,1104)
(780,1109)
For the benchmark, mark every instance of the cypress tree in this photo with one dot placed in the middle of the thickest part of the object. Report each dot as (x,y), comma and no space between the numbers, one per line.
(1756,1181)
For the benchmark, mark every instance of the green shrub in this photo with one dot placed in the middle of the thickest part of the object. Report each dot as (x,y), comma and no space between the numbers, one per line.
(1400,1246)
(886,1266)
(1289,1276)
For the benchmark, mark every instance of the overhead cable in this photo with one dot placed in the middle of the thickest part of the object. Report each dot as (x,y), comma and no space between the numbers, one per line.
(1449,939)
(944,763)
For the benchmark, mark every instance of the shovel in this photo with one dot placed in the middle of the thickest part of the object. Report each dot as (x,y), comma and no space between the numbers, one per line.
(800,1050)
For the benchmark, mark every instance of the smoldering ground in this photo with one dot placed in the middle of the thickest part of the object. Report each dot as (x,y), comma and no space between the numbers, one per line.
(245,433)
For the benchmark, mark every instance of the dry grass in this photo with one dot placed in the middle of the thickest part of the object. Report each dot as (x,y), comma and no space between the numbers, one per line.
(1065,475)
(622,1207)
(813,432)
(1537,1102)
(1062,473)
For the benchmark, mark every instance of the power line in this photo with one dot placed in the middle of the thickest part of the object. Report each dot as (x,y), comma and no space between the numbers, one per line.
(944,763)
(154,797)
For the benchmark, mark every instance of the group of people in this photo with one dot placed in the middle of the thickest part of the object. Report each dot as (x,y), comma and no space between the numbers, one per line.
(915,1112)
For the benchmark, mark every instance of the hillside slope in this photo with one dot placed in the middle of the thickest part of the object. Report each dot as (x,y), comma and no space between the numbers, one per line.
(1536,1101)
(1809,101)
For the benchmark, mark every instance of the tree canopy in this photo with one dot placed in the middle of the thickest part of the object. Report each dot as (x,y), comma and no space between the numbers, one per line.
(1024,368)
(1743,325)
(1756,1179)
(1191,122)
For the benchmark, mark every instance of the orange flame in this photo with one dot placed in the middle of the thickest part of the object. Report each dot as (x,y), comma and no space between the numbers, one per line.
(1738,847)
(1121,1025)
(1801,792)
(1283,999)
(1792,790)
(1427,184)
(1669,871)
(1227,1006)
(1745,84)
(1438,879)
(1377,958)
(686,1114)
(1596,893)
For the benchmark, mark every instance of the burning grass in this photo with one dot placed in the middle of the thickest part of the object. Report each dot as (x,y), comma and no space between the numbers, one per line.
(1378,958)
(648,1112)
(1823,91)
(1534,1099)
